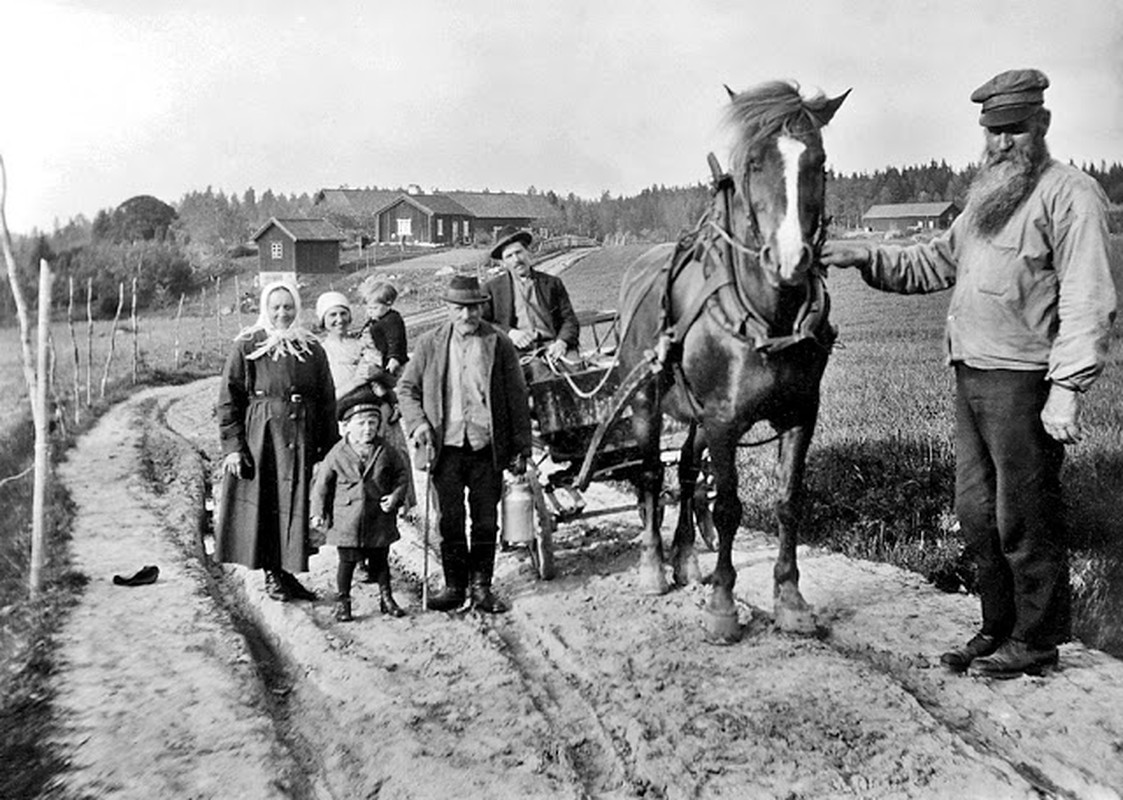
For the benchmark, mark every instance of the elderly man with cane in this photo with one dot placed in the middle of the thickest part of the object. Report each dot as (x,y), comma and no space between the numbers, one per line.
(465,407)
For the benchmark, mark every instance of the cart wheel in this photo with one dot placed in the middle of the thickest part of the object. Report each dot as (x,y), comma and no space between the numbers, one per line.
(542,548)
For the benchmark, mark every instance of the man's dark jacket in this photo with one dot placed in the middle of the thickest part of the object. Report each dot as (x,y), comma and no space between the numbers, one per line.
(550,292)
(421,392)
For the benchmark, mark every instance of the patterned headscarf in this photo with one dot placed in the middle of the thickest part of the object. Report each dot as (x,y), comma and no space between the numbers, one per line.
(294,340)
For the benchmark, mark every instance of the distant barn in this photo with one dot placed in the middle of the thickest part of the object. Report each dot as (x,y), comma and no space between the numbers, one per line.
(292,247)
(911,216)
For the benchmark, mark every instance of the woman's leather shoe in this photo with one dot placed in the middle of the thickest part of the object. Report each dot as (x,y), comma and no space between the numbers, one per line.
(295,589)
(275,588)
(389,607)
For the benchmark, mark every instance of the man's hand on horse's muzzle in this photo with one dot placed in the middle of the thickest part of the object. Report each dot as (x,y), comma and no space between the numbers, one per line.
(839,254)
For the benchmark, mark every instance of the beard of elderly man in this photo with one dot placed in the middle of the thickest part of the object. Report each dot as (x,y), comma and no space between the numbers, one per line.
(1012,162)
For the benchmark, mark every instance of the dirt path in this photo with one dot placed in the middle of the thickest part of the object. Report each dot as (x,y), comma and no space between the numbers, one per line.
(586,689)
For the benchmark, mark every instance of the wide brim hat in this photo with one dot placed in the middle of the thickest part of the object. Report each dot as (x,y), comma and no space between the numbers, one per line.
(464,290)
(507,236)
(1011,97)
(360,399)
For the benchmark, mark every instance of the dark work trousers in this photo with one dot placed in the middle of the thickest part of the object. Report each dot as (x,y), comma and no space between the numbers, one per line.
(459,469)
(1008,500)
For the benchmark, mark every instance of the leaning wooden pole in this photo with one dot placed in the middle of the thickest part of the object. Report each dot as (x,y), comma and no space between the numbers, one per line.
(42,437)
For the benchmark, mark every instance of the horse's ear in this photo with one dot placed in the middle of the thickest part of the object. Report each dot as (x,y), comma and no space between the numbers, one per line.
(826,113)
(732,94)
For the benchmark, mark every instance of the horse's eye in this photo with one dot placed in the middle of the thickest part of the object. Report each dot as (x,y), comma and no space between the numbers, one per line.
(755,165)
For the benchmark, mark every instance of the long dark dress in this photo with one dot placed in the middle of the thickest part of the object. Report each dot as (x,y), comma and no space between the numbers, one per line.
(281,413)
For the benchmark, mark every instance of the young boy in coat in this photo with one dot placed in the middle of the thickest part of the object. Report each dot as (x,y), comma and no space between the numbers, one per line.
(358,488)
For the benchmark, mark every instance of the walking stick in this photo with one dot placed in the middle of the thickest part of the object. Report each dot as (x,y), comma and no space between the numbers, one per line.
(425,544)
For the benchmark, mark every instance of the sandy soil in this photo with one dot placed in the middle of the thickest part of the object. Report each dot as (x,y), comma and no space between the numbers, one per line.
(199,686)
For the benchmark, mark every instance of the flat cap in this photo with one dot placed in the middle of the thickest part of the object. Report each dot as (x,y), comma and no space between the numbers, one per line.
(1010,96)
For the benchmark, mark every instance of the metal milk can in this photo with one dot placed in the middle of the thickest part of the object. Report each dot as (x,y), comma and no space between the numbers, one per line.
(517,511)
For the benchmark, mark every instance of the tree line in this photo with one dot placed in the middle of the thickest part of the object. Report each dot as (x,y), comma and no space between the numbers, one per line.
(176,248)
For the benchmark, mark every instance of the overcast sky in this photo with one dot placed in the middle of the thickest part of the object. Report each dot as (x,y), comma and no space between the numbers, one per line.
(106,100)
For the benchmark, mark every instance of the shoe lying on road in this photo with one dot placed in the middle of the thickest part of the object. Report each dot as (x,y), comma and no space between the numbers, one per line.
(959,659)
(1014,658)
(143,577)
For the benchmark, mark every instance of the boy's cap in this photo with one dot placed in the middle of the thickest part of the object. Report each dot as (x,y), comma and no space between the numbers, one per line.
(359,400)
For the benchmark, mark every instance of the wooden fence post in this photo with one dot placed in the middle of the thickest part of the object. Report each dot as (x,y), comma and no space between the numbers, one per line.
(113,336)
(178,317)
(89,341)
(74,347)
(218,307)
(202,321)
(136,334)
(238,300)
(42,443)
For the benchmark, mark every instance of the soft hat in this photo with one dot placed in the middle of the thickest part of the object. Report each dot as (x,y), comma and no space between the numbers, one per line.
(464,290)
(1010,96)
(329,300)
(508,235)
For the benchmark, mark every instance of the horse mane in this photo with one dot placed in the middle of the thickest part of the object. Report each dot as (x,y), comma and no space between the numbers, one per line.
(769,109)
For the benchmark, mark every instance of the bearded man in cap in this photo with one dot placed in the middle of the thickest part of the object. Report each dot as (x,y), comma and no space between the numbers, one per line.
(1027,334)
(530,306)
(464,405)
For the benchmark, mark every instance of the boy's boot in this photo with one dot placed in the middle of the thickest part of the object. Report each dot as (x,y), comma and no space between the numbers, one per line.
(343,609)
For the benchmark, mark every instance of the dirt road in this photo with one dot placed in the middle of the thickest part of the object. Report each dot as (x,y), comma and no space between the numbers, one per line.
(199,686)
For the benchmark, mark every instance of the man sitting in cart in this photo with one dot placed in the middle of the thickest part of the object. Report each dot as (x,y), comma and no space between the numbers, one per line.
(531,307)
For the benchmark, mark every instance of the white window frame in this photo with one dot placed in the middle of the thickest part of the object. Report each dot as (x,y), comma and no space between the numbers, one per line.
(440,227)
(405,227)
(277,250)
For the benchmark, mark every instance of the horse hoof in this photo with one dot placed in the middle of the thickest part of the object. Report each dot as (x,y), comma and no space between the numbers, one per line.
(800,621)
(654,584)
(722,628)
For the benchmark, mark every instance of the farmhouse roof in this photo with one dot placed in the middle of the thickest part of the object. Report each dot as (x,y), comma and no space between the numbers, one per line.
(498,205)
(895,210)
(303,230)
(356,201)
(430,203)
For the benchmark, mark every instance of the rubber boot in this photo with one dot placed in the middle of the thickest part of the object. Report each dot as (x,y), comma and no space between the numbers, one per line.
(343,609)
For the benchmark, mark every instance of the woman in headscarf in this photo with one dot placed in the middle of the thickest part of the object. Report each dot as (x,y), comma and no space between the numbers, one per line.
(276,417)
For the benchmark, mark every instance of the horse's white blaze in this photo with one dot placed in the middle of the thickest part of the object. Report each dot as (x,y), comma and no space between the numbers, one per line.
(789,236)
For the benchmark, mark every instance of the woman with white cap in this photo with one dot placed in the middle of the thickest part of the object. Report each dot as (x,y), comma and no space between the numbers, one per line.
(345,353)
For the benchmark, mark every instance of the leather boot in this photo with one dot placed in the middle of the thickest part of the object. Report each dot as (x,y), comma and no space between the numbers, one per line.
(275,588)
(483,566)
(959,659)
(343,609)
(387,605)
(483,599)
(450,599)
(454,562)
(296,590)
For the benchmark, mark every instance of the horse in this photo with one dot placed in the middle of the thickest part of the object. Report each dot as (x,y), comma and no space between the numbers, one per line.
(728,327)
